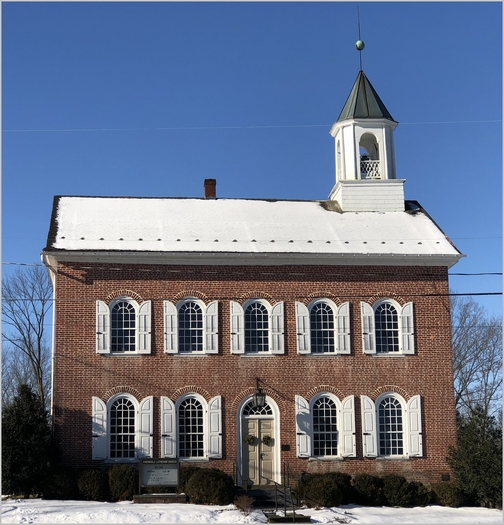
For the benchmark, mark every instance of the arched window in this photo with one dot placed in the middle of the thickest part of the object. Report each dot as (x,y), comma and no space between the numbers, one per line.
(390,427)
(322,328)
(191,430)
(123,327)
(325,428)
(122,429)
(256,328)
(190,330)
(191,327)
(386,328)
(250,410)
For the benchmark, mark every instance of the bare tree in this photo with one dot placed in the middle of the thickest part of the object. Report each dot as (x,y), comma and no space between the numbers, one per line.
(477,358)
(26,303)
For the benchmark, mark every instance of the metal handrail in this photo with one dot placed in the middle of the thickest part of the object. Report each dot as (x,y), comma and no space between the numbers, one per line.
(237,473)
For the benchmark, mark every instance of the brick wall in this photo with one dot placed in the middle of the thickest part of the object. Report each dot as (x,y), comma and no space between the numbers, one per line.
(80,373)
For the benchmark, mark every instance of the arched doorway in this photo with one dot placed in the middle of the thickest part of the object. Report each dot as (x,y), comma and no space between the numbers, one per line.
(258,446)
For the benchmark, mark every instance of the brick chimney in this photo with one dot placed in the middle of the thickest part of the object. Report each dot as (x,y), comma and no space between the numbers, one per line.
(210,188)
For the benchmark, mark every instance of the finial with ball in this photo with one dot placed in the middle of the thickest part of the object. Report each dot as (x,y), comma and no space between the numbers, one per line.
(359,45)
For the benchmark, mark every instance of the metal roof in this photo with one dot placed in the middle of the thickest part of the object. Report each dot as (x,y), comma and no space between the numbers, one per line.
(226,226)
(363,102)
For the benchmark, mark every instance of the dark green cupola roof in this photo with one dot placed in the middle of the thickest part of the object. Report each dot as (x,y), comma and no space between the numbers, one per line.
(363,102)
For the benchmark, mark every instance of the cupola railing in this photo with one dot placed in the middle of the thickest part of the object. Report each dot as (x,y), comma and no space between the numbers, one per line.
(370,169)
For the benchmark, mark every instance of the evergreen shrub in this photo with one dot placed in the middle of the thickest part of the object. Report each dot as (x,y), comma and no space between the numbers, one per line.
(421,495)
(185,474)
(477,459)
(321,490)
(344,482)
(368,490)
(26,445)
(210,487)
(447,494)
(397,491)
(61,483)
(123,482)
(93,485)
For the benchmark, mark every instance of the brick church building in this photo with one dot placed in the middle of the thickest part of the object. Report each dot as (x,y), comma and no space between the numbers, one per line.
(173,315)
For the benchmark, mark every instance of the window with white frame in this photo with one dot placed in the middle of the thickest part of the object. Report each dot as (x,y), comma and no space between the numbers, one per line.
(387,328)
(191,428)
(123,327)
(121,428)
(322,327)
(391,427)
(191,432)
(191,327)
(257,328)
(325,427)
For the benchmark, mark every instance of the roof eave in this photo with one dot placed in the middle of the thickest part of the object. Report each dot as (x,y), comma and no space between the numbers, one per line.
(53,257)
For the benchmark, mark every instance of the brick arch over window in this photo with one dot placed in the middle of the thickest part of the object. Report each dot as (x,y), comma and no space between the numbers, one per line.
(254,294)
(322,295)
(184,294)
(386,295)
(124,293)
(191,389)
(324,388)
(390,389)
(122,390)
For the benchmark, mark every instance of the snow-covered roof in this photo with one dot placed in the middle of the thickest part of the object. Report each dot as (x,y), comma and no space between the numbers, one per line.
(242,226)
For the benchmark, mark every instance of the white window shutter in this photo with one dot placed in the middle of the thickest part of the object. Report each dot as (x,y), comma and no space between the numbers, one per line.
(168,428)
(212,328)
(303,427)
(99,429)
(145,430)
(368,413)
(343,329)
(347,428)
(170,328)
(368,329)
(302,328)
(237,328)
(277,328)
(414,414)
(144,328)
(102,328)
(215,427)
(407,329)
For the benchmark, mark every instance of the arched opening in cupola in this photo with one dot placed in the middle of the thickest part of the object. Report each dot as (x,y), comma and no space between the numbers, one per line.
(369,157)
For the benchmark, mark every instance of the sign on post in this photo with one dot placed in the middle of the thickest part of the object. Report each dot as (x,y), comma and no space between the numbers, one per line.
(159,472)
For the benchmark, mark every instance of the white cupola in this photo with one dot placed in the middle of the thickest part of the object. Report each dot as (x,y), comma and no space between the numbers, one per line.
(364,149)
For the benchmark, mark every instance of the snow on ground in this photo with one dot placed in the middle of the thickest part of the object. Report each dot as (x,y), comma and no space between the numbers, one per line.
(56,511)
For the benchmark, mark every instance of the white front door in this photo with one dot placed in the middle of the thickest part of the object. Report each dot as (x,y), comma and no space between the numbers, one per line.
(258,451)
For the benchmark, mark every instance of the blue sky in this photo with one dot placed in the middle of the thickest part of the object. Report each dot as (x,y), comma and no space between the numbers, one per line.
(149,99)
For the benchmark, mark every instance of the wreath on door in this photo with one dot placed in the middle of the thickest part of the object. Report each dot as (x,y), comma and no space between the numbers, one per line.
(267,440)
(250,439)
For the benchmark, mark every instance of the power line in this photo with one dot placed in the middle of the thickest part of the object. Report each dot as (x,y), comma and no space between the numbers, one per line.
(115,269)
(209,128)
